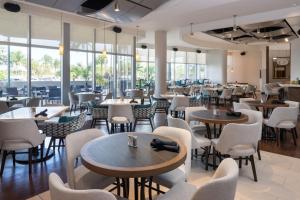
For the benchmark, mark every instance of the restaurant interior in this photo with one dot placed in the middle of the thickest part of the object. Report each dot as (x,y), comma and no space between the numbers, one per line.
(149,99)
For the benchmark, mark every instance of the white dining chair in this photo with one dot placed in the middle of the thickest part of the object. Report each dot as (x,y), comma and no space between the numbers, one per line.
(226,95)
(119,114)
(196,126)
(178,104)
(283,118)
(198,141)
(181,173)
(74,101)
(19,135)
(222,186)
(238,106)
(79,177)
(292,103)
(59,191)
(239,141)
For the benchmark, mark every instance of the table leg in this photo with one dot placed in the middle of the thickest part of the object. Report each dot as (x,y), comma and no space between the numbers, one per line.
(136,189)
(142,196)
(208,130)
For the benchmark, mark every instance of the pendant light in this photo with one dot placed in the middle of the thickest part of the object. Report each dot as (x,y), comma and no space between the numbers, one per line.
(61,45)
(137,55)
(191,33)
(235,27)
(116,7)
(104,53)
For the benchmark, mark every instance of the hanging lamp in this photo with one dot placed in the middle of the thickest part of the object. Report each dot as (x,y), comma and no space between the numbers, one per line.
(104,53)
(61,45)
(137,55)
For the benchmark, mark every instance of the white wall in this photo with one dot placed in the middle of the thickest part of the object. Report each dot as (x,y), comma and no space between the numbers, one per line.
(245,69)
(217,66)
(295,59)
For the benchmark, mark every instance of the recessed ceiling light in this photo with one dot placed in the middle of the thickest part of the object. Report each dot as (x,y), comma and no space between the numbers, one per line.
(116,9)
(286,39)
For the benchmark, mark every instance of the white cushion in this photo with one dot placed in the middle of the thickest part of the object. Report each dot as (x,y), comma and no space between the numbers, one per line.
(201,141)
(179,192)
(13,145)
(171,178)
(84,178)
(286,125)
(119,120)
(242,151)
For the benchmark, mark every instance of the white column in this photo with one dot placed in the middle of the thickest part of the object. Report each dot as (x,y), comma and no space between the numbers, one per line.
(160,62)
(65,72)
(295,59)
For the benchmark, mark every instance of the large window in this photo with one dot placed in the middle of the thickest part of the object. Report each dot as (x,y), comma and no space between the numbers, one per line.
(145,66)
(185,66)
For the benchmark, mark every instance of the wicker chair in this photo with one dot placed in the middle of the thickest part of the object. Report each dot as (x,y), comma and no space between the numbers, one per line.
(61,130)
(162,104)
(144,112)
(99,113)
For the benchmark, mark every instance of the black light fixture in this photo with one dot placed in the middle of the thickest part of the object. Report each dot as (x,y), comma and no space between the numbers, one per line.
(143,46)
(198,51)
(298,32)
(12,7)
(116,7)
(235,27)
(175,49)
(191,33)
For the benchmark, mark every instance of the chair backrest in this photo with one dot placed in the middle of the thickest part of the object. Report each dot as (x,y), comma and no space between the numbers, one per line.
(85,97)
(281,114)
(143,111)
(58,191)
(253,117)
(238,134)
(12,91)
(223,183)
(74,143)
(189,110)
(226,94)
(179,135)
(3,107)
(179,101)
(120,111)
(238,91)
(292,103)
(137,93)
(24,130)
(238,106)
(178,123)
(72,98)
(33,102)
(244,100)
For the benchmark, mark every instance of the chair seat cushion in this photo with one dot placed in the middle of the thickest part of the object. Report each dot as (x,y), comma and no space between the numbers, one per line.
(200,141)
(13,145)
(180,191)
(86,179)
(242,151)
(171,178)
(286,125)
(119,120)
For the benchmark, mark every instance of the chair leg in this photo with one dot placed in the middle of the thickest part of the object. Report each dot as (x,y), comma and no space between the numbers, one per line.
(150,188)
(258,150)
(214,158)
(49,146)
(134,126)
(206,157)
(253,167)
(107,126)
(3,162)
(93,123)
(14,158)
(30,160)
(240,162)
(151,124)
(296,133)
(294,136)
(42,150)
(158,188)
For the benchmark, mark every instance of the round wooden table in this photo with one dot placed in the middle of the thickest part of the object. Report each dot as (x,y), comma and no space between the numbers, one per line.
(207,117)
(266,106)
(111,156)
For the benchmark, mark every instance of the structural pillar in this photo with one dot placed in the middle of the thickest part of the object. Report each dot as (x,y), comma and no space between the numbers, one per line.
(65,71)
(160,63)
(133,71)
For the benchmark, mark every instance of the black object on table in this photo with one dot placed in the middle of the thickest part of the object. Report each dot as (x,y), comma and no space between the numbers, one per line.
(161,145)
(42,113)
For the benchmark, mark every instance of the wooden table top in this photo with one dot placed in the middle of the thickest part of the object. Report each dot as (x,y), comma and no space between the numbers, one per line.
(30,112)
(108,102)
(5,99)
(258,103)
(111,156)
(207,116)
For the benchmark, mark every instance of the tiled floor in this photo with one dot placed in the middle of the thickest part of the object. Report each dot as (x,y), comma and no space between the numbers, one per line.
(278,179)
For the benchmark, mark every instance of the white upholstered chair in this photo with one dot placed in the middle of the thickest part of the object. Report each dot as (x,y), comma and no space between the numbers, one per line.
(198,141)
(74,101)
(181,173)
(226,95)
(120,114)
(179,103)
(196,126)
(222,186)
(79,177)
(19,135)
(238,106)
(292,103)
(239,141)
(59,191)
(283,118)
